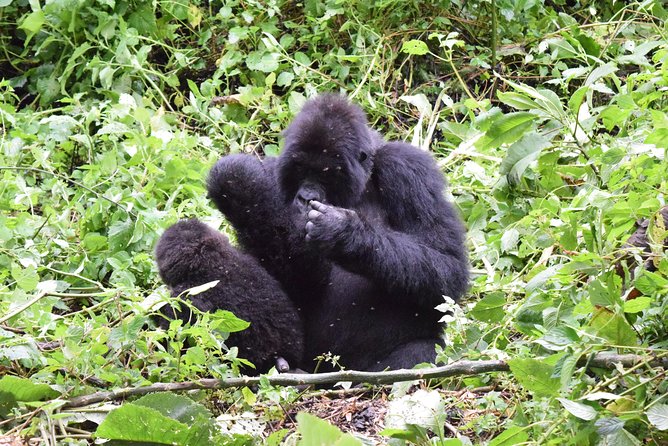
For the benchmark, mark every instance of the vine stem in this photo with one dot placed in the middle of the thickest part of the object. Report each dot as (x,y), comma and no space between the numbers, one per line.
(459,368)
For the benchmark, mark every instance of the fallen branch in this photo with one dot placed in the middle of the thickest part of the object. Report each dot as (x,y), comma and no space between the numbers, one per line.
(460,368)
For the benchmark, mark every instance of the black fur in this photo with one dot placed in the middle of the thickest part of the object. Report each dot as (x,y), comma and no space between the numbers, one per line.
(190,254)
(357,232)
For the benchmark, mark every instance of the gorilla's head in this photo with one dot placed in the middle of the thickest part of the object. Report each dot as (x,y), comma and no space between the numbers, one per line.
(328,153)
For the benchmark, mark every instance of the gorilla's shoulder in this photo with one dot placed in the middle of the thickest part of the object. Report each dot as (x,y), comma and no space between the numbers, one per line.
(398,165)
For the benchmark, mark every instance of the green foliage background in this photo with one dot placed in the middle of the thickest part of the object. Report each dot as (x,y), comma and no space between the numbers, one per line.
(548,118)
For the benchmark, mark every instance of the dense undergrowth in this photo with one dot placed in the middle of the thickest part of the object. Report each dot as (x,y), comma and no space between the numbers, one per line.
(548,118)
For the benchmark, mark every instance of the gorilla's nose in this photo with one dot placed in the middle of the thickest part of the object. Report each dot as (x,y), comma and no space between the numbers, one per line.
(306,194)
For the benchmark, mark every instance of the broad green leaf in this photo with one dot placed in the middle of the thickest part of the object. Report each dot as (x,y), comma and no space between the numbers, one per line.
(263,61)
(415,47)
(135,423)
(637,305)
(285,79)
(226,321)
(649,283)
(177,407)
(26,278)
(599,294)
(33,23)
(536,376)
(490,308)
(590,45)
(607,426)
(317,432)
(658,416)
(506,129)
(509,437)
(23,389)
(600,72)
(521,154)
(564,369)
(276,438)
(578,410)
(658,137)
(518,101)
(622,437)
(613,327)
(559,338)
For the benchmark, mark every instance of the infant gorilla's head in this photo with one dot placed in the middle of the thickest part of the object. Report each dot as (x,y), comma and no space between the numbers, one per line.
(328,154)
(184,247)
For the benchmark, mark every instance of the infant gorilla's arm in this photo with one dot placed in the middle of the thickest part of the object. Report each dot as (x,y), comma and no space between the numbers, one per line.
(421,255)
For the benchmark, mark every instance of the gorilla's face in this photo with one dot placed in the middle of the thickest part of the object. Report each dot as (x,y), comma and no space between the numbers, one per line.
(328,154)
(336,176)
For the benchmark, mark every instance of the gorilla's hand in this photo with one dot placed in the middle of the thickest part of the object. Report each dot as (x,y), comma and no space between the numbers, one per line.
(237,183)
(328,225)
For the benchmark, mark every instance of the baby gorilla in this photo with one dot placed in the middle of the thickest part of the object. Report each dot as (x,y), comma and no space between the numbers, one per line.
(190,254)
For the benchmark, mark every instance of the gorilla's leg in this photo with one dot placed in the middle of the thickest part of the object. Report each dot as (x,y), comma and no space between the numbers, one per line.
(408,355)
(190,254)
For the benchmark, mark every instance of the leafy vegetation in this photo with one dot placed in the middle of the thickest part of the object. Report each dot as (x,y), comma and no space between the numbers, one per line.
(548,118)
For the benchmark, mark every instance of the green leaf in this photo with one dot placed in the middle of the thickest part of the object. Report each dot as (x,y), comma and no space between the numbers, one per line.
(317,432)
(415,47)
(262,61)
(177,407)
(579,410)
(613,327)
(637,305)
(658,416)
(276,438)
(559,338)
(285,79)
(490,308)
(226,321)
(23,389)
(33,23)
(607,426)
(599,294)
(590,45)
(576,99)
(521,154)
(518,100)
(536,376)
(135,423)
(26,278)
(658,137)
(622,437)
(511,436)
(506,129)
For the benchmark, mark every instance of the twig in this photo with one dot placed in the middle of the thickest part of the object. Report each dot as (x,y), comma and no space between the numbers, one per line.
(460,368)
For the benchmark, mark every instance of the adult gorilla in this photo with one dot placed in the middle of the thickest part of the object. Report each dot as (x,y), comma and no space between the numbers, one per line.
(357,232)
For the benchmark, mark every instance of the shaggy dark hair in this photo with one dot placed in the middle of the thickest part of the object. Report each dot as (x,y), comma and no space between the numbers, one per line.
(355,230)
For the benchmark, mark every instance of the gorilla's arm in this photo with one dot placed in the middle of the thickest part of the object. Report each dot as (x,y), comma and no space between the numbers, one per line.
(421,255)
(247,192)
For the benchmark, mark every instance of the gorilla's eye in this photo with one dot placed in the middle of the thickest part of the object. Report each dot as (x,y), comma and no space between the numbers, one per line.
(363,157)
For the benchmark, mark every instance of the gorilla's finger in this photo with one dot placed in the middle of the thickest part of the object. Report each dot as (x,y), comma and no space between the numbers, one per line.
(309,226)
(312,215)
(319,206)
